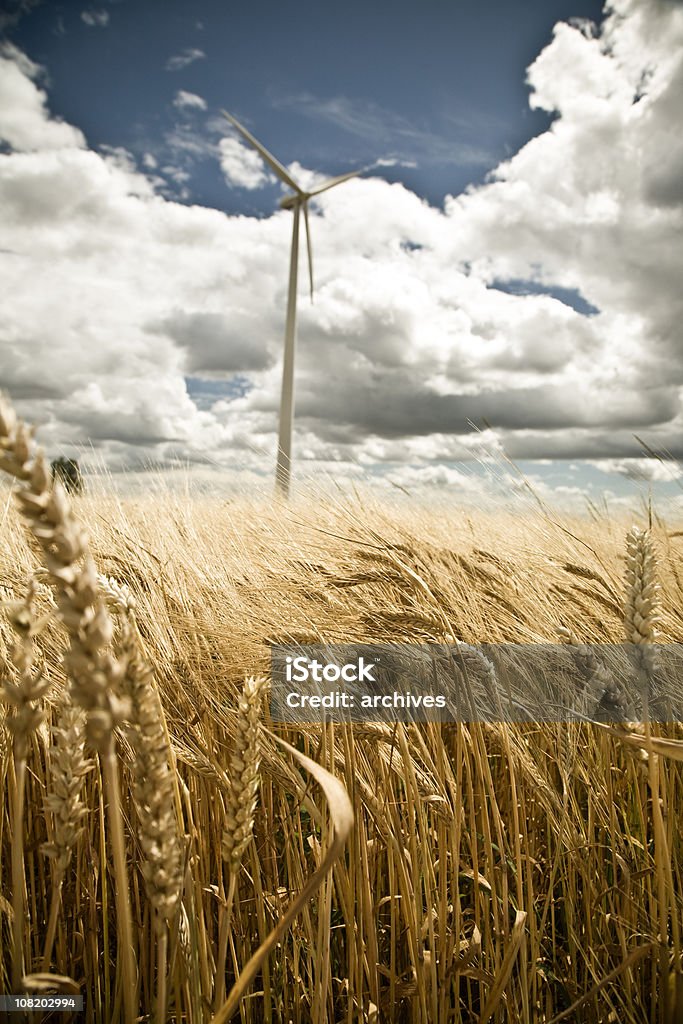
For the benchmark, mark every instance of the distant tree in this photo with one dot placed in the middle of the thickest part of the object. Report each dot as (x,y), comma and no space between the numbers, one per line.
(68,472)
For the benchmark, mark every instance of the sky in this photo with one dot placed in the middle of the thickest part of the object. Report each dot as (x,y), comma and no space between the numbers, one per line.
(500,285)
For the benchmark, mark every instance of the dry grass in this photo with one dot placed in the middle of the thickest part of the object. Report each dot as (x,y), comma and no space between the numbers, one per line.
(504,873)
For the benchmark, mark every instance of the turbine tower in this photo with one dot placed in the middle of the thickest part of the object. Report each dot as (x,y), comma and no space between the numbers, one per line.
(296,201)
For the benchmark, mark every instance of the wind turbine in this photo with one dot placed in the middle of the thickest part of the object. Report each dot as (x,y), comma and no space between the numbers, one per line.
(296,201)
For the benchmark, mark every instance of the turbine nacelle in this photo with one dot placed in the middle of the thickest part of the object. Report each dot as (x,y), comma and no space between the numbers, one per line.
(291,201)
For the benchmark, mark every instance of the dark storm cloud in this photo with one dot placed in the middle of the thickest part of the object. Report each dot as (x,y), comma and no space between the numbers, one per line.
(215,343)
(24,389)
(589,444)
(396,406)
(24,378)
(138,428)
(663,163)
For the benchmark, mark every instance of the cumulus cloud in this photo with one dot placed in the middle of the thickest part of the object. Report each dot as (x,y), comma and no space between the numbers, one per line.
(188,101)
(95,18)
(437,475)
(592,203)
(24,121)
(184,59)
(647,470)
(154,329)
(241,166)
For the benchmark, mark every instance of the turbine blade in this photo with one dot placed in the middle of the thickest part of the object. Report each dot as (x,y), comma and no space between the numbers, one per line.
(308,246)
(274,164)
(331,182)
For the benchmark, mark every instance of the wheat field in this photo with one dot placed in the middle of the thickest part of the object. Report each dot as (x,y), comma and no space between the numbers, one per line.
(168,857)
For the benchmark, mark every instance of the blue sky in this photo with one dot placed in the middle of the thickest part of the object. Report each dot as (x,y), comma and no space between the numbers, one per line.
(503,281)
(335,86)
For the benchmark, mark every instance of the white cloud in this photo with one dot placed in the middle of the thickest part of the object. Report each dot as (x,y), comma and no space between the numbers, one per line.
(392,161)
(188,101)
(648,470)
(24,123)
(95,18)
(184,58)
(177,174)
(113,261)
(595,202)
(436,475)
(113,295)
(189,141)
(241,166)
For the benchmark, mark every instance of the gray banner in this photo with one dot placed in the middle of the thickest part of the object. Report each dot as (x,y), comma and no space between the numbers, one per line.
(487,682)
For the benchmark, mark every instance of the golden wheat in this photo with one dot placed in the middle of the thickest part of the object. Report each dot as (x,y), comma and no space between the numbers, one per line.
(527,872)
(243,775)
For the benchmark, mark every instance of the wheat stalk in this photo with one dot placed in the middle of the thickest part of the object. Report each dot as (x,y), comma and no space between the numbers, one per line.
(240,806)
(153,783)
(154,794)
(3,741)
(641,617)
(154,789)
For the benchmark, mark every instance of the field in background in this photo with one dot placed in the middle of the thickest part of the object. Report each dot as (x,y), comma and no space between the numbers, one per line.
(494,872)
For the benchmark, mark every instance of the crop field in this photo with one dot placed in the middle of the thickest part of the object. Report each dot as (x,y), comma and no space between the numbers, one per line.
(171,853)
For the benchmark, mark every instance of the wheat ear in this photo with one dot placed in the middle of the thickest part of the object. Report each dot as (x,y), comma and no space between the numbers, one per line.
(154,794)
(640,622)
(240,807)
(604,691)
(642,603)
(68,769)
(94,672)
(117,595)
(153,784)
(23,693)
